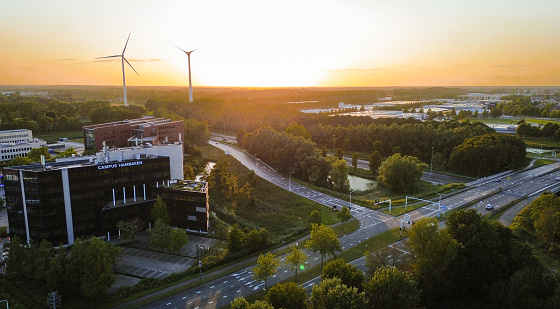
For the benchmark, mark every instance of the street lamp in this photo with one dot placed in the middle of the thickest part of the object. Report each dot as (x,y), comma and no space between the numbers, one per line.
(439,204)
(290,182)
(333,139)
(7,304)
(351,199)
(432,162)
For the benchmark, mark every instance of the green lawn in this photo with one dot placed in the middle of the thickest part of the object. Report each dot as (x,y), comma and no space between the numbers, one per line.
(53,137)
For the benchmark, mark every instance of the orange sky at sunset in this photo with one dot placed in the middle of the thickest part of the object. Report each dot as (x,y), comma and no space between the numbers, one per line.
(283,43)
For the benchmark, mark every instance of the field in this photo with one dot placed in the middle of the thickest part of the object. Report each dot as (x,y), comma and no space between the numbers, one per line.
(282,213)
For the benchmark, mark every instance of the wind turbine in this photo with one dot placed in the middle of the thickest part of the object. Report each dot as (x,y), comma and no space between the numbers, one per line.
(189,56)
(123,59)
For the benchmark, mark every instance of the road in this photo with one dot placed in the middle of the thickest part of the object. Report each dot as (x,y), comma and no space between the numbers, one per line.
(223,290)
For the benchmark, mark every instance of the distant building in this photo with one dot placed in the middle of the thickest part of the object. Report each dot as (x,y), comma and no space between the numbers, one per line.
(147,130)
(85,196)
(17,143)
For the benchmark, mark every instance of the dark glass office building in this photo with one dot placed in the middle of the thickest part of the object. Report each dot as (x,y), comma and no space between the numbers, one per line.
(63,201)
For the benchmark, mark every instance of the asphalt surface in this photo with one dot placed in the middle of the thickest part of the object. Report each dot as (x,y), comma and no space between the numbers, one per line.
(222,291)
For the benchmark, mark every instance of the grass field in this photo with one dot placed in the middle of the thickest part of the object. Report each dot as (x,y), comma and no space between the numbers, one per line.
(77,136)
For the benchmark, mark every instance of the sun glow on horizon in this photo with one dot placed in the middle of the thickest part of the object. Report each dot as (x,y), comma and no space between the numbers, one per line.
(289,44)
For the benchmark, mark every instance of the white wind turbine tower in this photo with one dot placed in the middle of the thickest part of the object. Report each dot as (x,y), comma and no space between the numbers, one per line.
(123,59)
(189,56)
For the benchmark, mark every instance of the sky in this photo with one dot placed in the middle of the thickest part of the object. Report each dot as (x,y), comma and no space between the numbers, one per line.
(289,43)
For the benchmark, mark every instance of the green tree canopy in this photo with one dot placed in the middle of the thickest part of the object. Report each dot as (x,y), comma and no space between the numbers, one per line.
(314,217)
(323,240)
(287,295)
(401,173)
(177,239)
(159,235)
(332,293)
(159,211)
(392,289)
(91,264)
(350,275)
(267,266)
(488,154)
(296,258)
(344,215)
(236,239)
(374,161)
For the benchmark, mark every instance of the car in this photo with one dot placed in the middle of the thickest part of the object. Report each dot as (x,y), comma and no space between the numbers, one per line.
(489,207)
(497,179)
(558,178)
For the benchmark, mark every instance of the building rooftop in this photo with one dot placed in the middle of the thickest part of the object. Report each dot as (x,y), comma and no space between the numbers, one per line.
(191,186)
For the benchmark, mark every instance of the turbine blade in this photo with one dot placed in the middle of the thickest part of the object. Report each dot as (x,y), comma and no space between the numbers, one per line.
(178,47)
(109,57)
(131,66)
(193,50)
(126,42)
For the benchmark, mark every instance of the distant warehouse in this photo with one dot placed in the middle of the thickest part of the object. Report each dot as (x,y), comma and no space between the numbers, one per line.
(133,132)
(86,196)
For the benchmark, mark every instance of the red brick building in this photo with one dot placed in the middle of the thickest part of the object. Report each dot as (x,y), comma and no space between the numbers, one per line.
(133,132)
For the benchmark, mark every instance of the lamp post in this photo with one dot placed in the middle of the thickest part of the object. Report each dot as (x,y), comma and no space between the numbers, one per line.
(432,162)
(290,182)
(351,199)
(439,204)
(333,139)
(7,304)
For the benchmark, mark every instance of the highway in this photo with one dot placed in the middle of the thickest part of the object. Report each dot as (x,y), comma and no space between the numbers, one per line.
(223,290)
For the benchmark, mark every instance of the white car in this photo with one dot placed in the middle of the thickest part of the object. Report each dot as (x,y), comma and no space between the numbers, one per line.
(489,207)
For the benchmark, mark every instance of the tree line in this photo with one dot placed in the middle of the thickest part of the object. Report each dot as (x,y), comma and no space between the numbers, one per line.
(472,263)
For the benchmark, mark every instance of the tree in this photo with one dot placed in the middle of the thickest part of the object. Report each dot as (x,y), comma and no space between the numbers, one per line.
(159,235)
(267,265)
(295,259)
(19,161)
(177,239)
(339,175)
(350,275)
(287,295)
(159,211)
(355,161)
(14,265)
(91,264)
(546,226)
(331,294)
(323,240)
(35,154)
(129,228)
(392,289)
(435,252)
(298,130)
(236,239)
(401,173)
(239,303)
(67,153)
(344,215)
(339,153)
(240,136)
(386,256)
(314,217)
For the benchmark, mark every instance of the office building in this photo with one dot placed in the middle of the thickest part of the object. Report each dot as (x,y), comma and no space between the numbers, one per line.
(84,196)
(17,143)
(147,130)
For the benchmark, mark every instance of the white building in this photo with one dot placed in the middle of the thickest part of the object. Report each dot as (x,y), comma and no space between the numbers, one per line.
(17,143)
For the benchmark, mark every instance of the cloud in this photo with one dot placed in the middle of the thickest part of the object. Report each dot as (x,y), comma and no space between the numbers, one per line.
(507,66)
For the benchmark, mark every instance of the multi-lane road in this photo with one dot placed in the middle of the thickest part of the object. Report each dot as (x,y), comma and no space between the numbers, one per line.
(219,292)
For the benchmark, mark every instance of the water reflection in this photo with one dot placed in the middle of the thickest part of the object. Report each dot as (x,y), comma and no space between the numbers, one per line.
(360,184)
